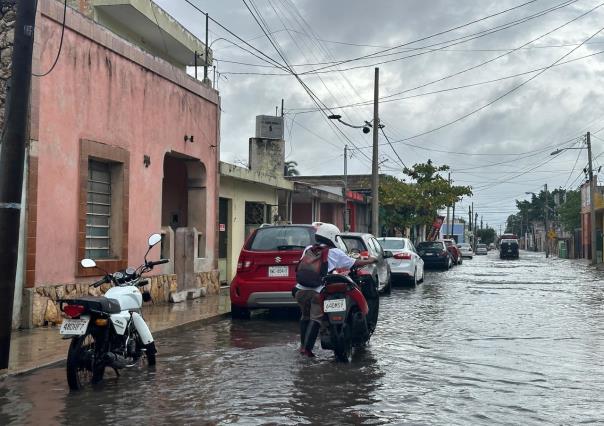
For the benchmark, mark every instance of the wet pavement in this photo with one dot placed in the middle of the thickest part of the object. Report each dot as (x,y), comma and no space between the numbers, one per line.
(488,342)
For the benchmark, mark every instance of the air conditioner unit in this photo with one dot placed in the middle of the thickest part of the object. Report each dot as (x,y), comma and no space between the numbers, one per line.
(269,127)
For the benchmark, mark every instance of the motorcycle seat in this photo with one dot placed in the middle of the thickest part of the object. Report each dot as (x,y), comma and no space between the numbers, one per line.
(102,304)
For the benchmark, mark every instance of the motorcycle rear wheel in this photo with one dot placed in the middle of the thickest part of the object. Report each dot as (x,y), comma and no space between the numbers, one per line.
(343,341)
(81,368)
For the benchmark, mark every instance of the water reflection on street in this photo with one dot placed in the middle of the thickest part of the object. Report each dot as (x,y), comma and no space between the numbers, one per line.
(490,341)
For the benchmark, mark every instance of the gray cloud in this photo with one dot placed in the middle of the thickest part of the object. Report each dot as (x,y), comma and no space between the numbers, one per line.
(562,103)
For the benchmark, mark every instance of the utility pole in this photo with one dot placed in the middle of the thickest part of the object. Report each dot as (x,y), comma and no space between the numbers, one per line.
(205,65)
(12,154)
(546,224)
(453,231)
(375,178)
(481,227)
(475,228)
(282,105)
(448,221)
(592,203)
(345,187)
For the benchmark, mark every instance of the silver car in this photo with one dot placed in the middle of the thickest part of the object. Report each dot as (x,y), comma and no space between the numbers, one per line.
(466,250)
(405,263)
(481,249)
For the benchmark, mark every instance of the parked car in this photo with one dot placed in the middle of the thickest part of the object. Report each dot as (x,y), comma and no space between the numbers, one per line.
(466,250)
(508,249)
(405,262)
(455,252)
(435,254)
(266,268)
(362,244)
(481,249)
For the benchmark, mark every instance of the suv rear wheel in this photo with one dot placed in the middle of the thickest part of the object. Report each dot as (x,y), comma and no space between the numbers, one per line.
(239,312)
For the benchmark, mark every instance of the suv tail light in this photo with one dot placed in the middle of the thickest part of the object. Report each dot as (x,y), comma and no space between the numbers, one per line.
(244,264)
(73,311)
(402,256)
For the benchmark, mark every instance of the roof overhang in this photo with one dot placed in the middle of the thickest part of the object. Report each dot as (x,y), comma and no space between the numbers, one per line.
(151,26)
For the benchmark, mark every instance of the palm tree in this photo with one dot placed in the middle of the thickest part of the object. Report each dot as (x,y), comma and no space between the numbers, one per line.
(289,169)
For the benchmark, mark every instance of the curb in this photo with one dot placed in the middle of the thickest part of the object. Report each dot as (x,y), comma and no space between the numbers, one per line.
(4,374)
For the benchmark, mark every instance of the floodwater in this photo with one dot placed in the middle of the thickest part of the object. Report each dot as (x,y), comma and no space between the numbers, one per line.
(488,342)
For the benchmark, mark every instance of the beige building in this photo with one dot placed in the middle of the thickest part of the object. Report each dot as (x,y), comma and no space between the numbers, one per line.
(249,197)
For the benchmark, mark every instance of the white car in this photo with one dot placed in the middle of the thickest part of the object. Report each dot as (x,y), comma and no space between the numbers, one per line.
(466,250)
(405,263)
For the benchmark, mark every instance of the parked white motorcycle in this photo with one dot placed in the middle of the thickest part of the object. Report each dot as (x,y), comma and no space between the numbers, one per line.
(108,331)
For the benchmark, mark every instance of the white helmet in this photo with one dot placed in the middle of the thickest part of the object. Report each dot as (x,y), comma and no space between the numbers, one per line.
(328,231)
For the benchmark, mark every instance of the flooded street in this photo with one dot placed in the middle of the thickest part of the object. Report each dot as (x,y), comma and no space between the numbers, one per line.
(490,341)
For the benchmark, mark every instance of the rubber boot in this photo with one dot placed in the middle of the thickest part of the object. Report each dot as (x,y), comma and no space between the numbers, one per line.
(303,329)
(311,337)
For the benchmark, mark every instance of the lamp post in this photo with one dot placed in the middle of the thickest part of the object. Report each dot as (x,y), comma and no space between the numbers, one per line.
(375,177)
(592,195)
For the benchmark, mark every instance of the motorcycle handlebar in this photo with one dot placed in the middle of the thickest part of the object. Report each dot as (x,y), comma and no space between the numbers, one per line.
(101,282)
(157,262)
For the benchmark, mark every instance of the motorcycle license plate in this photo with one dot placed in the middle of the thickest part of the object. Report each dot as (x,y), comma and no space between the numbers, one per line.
(334,305)
(74,327)
(278,271)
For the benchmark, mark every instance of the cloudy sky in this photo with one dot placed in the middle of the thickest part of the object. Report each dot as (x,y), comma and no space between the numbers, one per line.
(489,97)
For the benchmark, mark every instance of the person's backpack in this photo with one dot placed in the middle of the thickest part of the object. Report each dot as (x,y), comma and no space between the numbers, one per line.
(313,266)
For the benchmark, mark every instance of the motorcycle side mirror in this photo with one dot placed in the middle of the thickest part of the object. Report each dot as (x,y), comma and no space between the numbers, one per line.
(388,254)
(88,263)
(154,239)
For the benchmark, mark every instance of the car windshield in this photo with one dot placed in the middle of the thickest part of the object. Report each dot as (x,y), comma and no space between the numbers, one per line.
(464,246)
(392,244)
(282,238)
(430,245)
(481,246)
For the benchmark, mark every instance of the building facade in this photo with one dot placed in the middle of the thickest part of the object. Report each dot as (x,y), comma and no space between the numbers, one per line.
(123,143)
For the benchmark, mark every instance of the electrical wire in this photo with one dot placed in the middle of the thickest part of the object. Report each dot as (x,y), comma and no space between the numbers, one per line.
(453,42)
(386,99)
(312,95)
(394,150)
(60,44)
(498,98)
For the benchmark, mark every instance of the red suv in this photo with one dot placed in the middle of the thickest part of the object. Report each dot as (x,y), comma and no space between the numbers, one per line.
(266,270)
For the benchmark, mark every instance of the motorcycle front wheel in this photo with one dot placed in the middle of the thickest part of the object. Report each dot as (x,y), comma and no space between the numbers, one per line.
(82,365)
(148,351)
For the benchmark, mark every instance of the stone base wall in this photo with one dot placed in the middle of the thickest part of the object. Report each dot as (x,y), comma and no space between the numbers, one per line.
(210,281)
(44,309)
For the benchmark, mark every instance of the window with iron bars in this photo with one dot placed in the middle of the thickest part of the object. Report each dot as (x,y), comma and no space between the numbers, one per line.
(98,213)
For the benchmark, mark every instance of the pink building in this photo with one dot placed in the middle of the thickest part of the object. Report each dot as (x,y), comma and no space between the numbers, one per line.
(123,144)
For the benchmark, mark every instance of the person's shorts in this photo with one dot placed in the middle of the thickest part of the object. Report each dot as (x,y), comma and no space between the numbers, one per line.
(310,304)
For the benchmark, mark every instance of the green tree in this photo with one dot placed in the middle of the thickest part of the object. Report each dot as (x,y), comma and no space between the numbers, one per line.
(289,168)
(415,203)
(570,211)
(486,235)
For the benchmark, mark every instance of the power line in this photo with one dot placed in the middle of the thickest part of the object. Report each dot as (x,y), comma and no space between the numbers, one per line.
(60,44)
(498,98)
(453,42)
(388,98)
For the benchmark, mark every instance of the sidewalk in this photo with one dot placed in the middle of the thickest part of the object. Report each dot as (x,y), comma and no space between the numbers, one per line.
(41,347)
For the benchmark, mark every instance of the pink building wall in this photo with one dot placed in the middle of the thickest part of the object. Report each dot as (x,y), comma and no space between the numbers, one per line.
(105,90)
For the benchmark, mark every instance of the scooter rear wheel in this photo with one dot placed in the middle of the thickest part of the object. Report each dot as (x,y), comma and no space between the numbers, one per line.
(343,341)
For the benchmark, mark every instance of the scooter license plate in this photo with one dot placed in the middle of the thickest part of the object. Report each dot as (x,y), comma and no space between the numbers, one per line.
(74,327)
(334,305)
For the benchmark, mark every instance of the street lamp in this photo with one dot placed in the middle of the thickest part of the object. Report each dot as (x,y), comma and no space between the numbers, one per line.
(592,195)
